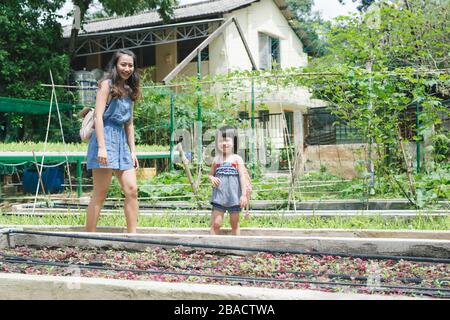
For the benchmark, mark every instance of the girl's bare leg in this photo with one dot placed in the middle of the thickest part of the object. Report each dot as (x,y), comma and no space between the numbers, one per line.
(234,222)
(216,222)
(127,180)
(102,180)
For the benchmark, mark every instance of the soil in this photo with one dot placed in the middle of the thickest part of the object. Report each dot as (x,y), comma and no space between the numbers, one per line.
(188,266)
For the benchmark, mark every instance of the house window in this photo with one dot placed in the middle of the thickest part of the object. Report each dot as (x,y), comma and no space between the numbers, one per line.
(148,56)
(269,52)
(243,115)
(325,128)
(289,116)
(185,47)
(79,63)
(263,115)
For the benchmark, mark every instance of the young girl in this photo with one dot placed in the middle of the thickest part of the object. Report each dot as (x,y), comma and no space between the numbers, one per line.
(230,181)
(111,147)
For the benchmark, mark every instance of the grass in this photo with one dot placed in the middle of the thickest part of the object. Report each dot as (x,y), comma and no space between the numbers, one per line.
(169,220)
(28,146)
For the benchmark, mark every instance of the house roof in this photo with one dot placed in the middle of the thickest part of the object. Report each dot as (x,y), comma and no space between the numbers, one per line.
(192,11)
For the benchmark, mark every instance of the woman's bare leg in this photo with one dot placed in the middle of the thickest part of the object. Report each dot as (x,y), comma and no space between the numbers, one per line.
(102,180)
(127,180)
(216,222)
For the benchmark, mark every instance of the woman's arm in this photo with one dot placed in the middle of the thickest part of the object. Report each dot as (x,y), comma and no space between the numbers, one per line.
(129,130)
(100,105)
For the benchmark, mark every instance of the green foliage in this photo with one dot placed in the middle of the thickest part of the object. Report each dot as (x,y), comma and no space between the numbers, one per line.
(172,219)
(30,45)
(363,4)
(151,117)
(28,146)
(164,7)
(152,113)
(306,24)
(171,185)
(399,37)
(373,78)
(441,146)
(174,186)
(434,186)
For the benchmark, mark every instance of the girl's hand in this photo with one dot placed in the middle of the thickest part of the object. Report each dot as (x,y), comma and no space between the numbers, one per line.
(102,156)
(244,201)
(215,181)
(249,190)
(135,160)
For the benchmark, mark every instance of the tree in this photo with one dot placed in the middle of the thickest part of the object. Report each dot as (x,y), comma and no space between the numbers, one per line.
(363,4)
(417,37)
(407,51)
(30,45)
(111,7)
(305,24)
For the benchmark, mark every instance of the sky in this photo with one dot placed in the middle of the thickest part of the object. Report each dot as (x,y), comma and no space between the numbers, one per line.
(328,8)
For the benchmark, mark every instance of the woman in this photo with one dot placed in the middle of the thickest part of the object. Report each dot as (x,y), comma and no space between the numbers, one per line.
(111,147)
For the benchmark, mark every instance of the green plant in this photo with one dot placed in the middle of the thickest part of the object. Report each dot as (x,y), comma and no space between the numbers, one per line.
(172,219)
(441,144)
(434,186)
(38,146)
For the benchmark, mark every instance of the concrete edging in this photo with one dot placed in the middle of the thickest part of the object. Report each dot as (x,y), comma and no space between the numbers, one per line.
(39,287)
(271,232)
(343,245)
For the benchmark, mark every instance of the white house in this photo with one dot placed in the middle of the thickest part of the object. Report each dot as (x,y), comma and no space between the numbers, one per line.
(265,26)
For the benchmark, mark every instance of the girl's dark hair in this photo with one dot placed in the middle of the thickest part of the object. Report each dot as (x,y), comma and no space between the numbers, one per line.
(132,84)
(228,131)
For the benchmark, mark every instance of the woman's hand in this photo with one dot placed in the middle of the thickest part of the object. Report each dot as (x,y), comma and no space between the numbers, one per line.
(135,160)
(102,156)
(215,181)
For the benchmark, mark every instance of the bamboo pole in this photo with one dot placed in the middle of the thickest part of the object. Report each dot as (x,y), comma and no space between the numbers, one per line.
(186,168)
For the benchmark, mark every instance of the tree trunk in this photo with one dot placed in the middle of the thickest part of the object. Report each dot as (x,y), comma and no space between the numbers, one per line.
(72,43)
(83,5)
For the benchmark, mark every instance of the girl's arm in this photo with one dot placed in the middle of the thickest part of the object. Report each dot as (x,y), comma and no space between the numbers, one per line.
(244,179)
(100,105)
(129,130)
(249,184)
(213,179)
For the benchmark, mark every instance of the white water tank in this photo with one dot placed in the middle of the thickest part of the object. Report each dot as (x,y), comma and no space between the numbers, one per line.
(88,87)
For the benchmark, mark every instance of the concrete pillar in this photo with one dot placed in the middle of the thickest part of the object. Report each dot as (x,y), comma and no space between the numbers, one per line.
(299,142)
(166,59)
(299,135)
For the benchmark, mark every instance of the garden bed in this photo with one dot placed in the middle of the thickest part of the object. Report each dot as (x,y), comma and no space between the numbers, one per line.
(262,269)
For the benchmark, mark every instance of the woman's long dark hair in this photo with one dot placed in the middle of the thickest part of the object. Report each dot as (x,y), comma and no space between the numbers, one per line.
(132,84)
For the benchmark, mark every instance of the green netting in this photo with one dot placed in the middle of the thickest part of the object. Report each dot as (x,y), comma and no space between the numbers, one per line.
(32,106)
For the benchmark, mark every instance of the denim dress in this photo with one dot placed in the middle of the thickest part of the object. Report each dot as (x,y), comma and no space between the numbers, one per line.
(228,194)
(118,113)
